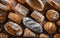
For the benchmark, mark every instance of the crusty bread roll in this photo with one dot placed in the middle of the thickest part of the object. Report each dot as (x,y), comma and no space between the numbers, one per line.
(22,10)
(43,36)
(15,17)
(55,4)
(57,36)
(37,16)
(36,4)
(50,27)
(52,15)
(28,33)
(9,3)
(4,7)
(13,29)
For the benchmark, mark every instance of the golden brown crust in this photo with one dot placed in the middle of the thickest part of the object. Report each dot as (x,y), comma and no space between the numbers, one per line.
(57,36)
(15,17)
(28,33)
(10,3)
(54,3)
(52,15)
(4,7)
(38,16)
(43,36)
(21,10)
(11,30)
(36,4)
(8,29)
(50,27)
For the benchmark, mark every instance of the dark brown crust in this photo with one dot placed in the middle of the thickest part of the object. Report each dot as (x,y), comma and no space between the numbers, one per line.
(58,23)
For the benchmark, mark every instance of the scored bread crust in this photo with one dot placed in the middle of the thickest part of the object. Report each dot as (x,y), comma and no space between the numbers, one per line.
(12,31)
(54,4)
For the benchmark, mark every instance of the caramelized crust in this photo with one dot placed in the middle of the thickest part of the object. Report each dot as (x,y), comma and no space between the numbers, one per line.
(13,29)
(52,15)
(15,17)
(36,4)
(50,27)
